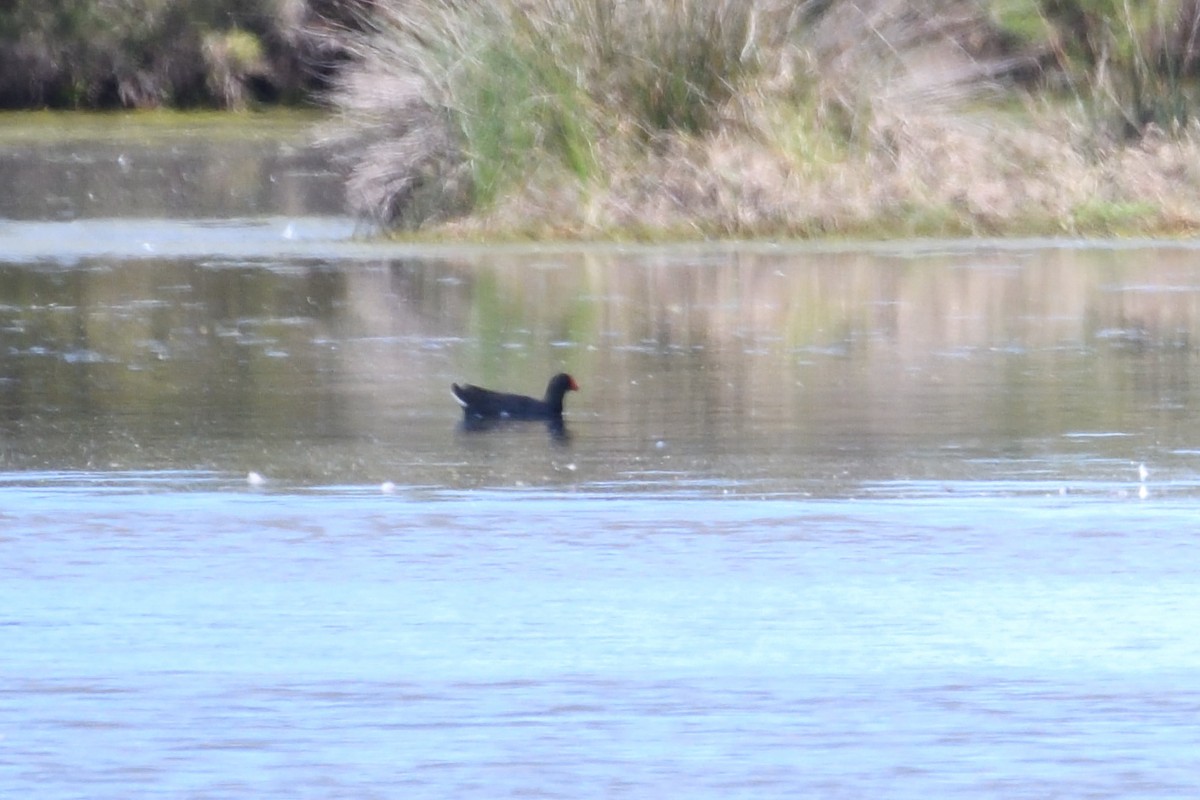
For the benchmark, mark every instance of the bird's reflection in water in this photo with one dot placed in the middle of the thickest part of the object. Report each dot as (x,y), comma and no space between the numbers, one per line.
(556,428)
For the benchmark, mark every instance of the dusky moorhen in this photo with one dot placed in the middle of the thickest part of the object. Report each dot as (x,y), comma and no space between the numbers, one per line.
(480,403)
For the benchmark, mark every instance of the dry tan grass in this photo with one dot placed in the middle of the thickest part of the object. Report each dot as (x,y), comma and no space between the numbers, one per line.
(934,177)
(404,163)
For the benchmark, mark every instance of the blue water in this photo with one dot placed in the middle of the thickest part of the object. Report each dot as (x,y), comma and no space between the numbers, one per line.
(910,640)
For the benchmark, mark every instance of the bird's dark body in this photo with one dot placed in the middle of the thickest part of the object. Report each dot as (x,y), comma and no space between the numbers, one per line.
(478,403)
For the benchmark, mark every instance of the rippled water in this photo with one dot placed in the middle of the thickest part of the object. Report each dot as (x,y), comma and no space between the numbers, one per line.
(892,521)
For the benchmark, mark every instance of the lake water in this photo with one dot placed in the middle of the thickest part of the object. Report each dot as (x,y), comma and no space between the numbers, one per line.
(900,520)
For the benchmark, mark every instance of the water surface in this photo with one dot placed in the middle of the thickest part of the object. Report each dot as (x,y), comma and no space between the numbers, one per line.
(881,521)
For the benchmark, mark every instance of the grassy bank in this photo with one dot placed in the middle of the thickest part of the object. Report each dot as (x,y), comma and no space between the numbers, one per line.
(746,118)
(102,54)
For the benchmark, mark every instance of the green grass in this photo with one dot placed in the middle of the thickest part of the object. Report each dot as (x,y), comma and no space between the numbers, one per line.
(1106,218)
(515,108)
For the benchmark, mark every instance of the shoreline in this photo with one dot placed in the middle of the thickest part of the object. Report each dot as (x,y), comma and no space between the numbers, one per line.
(1144,190)
(1150,193)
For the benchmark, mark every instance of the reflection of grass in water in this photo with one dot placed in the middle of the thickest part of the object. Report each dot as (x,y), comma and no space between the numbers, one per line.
(515,316)
(154,127)
(578,323)
(790,302)
(755,332)
(150,163)
(500,331)
(228,350)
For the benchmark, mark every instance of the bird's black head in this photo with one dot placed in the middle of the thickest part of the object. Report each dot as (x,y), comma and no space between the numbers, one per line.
(560,384)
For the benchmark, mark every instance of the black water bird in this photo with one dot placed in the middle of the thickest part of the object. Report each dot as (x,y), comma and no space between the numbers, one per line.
(485,404)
